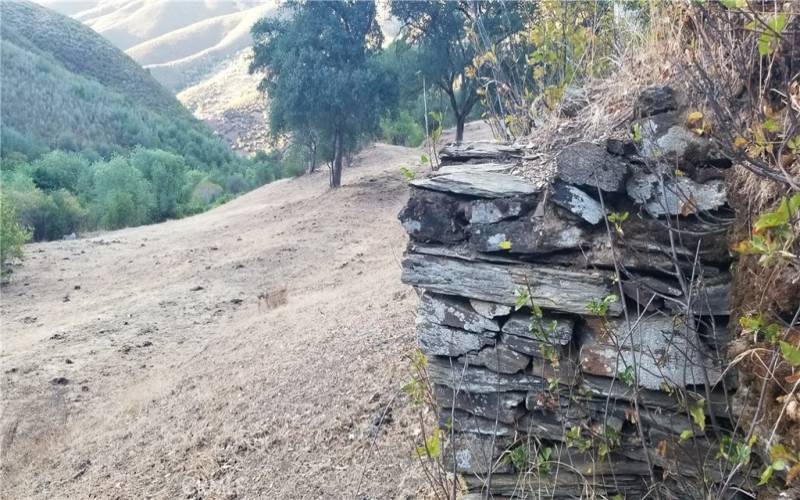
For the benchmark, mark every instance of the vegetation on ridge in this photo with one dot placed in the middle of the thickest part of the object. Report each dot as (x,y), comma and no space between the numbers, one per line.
(90,140)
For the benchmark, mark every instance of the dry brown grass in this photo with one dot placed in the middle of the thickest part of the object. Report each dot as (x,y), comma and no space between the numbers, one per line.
(643,59)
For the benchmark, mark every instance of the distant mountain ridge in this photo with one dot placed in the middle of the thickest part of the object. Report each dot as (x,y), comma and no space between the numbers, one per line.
(65,87)
(198,50)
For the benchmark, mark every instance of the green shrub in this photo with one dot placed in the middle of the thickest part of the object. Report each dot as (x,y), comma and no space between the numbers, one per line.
(58,170)
(12,234)
(205,193)
(48,216)
(68,215)
(120,211)
(402,130)
(235,184)
(122,195)
(166,173)
(262,172)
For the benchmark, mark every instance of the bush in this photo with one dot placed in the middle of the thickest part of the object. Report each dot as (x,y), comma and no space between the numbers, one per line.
(58,170)
(122,196)
(120,211)
(261,172)
(49,216)
(205,192)
(67,217)
(12,234)
(235,184)
(166,173)
(402,130)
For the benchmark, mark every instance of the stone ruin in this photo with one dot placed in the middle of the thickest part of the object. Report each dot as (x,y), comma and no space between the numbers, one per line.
(553,377)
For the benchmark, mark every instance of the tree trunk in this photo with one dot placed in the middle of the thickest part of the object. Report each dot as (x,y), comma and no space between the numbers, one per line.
(338,153)
(460,119)
(312,160)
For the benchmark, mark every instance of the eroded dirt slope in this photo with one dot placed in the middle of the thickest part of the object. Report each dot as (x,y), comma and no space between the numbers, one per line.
(241,353)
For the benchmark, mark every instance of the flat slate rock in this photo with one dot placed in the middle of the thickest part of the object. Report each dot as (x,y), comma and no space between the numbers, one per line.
(478,184)
(460,376)
(438,340)
(489,309)
(478,150)
(665,138)
(430,216)
(506,407)
(488,211)
(678,196)
(587,164)
(461,421)
(599,390)
(520,325)
(477,453)
(710,298)
(502,168)
(457,314)
(530,235)
(660,351)
(498,358)
(550,288)
(577,202)
(621,147)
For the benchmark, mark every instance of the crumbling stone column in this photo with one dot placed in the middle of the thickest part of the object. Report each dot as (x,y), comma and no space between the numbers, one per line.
(574,330)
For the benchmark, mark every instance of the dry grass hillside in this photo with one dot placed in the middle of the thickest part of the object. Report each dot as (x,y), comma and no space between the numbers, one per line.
(247,352)
(229,102)
(196,49)
(130,22)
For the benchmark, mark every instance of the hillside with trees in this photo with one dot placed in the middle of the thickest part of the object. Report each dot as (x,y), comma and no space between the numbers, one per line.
(195,49)
(91,140)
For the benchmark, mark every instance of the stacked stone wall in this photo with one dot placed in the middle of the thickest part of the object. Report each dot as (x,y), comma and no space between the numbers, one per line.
(574,331)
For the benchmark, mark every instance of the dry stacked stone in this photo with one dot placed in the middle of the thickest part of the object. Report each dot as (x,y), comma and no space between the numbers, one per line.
(553,377)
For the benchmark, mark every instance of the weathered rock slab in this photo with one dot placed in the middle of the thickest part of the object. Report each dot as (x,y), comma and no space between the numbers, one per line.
(438,340)
(478,150)
(577,202)
(506,407)
(665,138)
(461,421)
(678,196)
(457,314)
(557,330)
(621,147)
(549,288)
(478,184)
(587,164)
(476,453)
(460,376)
(489,309)
(498,358)
(531,235)
(489,211)
(655,100)
(502,168)
(431,216)
(656,348)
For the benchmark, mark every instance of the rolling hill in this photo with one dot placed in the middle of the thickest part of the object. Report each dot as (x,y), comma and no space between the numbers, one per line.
(198,50)
(66,87)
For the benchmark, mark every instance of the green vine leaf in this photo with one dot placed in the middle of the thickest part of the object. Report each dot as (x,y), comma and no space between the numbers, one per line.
(790,353)
(697,411)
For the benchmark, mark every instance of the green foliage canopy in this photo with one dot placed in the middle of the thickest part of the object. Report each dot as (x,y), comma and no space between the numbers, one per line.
(448,36)
(320,73)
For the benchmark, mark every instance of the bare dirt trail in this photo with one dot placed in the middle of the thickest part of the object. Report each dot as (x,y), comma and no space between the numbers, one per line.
(241,353)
